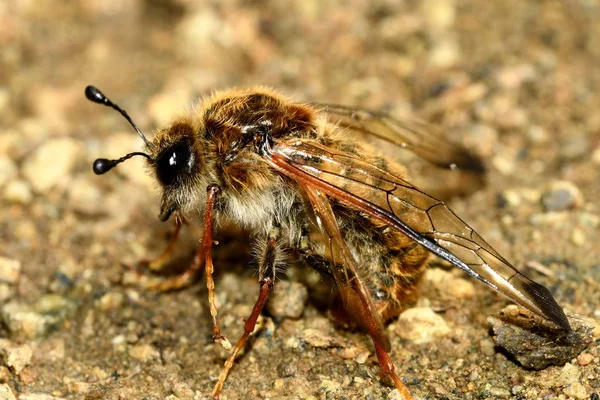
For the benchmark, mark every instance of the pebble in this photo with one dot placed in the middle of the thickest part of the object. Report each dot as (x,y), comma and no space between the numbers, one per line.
(562,195)
(6,393)
(8,169)
(39,396)
(17,357)
(85,197)
(576,390)
(316,338)
(569,374)
(144,352)
(585,359)
(596,156)
(448,285)
(18,191)
(182,390)
(439,15)
(51,163)
(395,395)
(110,301)
(21,320)
(10,270)
(288,300)
(5,374)
(329,386)
(6,292)
(36,321)
(574,147)
(499,392)
(420,325)
(536,343)
(578,237)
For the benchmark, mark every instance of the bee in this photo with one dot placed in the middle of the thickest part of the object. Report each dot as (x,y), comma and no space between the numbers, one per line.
(291,174)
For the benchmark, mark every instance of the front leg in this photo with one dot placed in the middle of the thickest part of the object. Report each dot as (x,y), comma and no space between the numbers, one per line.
(270,258)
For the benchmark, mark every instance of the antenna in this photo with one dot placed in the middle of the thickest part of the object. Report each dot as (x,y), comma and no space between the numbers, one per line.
(103,165)
(93,94)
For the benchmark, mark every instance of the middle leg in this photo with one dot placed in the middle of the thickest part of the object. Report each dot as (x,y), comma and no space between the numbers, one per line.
(269,260)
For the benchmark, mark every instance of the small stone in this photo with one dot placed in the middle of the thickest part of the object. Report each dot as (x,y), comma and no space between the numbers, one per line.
(511,198)
(569,374)
(144,352)
(39,396)
(448,286)
(576,390)
(288,300)
(78,387)
(6,393)
(585,359)
(16,357)
(329,386)
(6,292)
(395,395)
(536,343)
(8,169)
(562,195)
(578,237)
(35,321)
(316,338)
(85,197)
(21,320)
(421,325)
(286,369)
(596,156)
(574,147)
(504,165)
(5,374)
(18,191)
(99,373)
(499,392)
(51,163)
(110,301)
(537,134)
(438,14)
(55,305)
(10,270)
(182,390)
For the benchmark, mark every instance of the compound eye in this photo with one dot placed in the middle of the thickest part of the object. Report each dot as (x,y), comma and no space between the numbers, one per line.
(174,163)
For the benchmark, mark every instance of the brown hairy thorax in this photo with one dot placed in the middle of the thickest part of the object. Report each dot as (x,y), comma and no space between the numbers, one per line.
(290,174)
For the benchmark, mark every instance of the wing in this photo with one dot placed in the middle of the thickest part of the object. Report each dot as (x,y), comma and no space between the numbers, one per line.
(421,138)
(363,186)
(344,268)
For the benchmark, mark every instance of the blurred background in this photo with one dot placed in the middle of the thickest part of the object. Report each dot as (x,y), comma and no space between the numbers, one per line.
(515,81)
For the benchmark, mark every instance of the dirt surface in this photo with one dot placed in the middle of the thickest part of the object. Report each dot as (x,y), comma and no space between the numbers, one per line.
(516,81)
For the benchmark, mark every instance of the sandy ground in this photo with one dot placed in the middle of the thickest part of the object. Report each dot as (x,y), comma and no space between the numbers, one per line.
(516,81)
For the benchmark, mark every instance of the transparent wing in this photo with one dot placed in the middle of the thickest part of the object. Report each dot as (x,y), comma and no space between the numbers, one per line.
(380,194)
(344,268)
(421,138)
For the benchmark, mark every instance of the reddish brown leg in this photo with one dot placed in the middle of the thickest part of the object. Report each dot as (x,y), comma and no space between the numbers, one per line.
(381,343)
(387,369)
(159,263)
(265,287)
(202,257)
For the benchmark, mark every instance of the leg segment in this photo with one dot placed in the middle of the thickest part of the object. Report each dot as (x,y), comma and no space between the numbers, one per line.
(265,288)
(158,264)
(266,272)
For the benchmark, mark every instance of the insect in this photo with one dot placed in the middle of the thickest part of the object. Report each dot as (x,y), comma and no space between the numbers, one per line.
(290,174)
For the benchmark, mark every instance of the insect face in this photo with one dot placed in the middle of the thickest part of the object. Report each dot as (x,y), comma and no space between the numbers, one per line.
(178,163)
